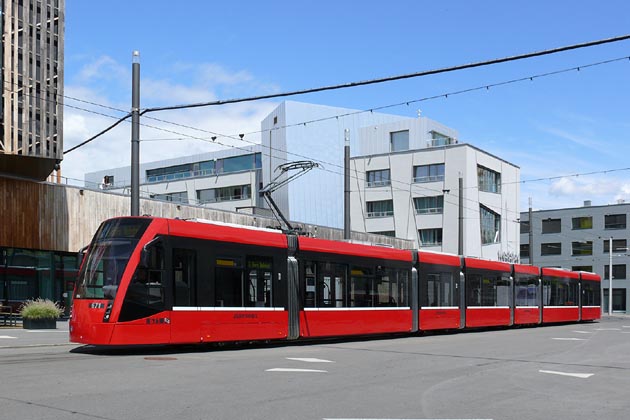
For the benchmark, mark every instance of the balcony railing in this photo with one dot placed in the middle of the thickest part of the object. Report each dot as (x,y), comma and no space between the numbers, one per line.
(430,210)
(375,214)
(430,178)
(382,183)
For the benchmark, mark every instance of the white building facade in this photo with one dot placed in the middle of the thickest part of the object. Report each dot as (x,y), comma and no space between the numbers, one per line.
(404,179)
(412,191)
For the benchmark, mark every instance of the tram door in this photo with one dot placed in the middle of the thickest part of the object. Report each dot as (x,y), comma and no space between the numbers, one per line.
(184,294)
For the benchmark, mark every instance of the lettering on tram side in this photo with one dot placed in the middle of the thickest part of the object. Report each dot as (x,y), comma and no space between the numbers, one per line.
(97,305)
(248,316)
(156,321)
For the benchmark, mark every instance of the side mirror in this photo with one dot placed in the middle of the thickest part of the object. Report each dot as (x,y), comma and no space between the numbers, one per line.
(146,251)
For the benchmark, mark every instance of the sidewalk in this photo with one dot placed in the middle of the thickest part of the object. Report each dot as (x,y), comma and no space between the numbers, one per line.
(11,337)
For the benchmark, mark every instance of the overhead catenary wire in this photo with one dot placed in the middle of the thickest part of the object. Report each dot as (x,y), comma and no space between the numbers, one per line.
(396,77)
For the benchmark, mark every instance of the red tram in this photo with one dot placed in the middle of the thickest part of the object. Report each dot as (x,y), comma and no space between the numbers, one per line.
(151,280)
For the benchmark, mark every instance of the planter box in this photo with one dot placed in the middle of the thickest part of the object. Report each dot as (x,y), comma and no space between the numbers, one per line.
(39,324)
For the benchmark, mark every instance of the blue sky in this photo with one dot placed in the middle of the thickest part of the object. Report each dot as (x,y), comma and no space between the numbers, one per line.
(197,51)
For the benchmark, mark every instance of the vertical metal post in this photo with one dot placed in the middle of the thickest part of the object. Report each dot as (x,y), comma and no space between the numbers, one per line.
(346,185)
(610,277)
(135,135)
(531,234)
(460,229)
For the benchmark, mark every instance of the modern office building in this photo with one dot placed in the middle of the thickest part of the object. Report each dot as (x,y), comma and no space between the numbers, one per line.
(579,239)
(408,186)
(227,179)
(31,128)
(404,179)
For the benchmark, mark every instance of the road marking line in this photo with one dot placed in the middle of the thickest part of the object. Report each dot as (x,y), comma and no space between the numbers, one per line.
(575,375)
(365,418)
(607,329)
(309,360)
(296,370)
(6,336)
(625,326)
(582,332)
(569,339)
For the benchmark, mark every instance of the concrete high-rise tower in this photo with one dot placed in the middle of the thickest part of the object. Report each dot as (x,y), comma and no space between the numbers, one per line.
(31,109)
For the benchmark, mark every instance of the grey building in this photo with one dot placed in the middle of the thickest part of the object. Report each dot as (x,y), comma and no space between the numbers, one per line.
(579,239)
(31,108)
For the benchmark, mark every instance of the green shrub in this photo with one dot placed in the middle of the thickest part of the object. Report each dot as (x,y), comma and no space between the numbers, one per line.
(40,309)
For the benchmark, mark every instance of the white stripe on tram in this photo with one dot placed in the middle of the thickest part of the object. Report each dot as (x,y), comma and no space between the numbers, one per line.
(366,308)
(225,309)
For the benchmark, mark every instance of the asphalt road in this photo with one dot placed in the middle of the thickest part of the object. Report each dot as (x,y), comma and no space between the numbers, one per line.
(578,371)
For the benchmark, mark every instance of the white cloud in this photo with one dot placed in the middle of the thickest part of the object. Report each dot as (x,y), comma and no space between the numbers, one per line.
(113,148)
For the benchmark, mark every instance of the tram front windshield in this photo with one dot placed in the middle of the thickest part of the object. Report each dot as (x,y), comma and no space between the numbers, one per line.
(107,257)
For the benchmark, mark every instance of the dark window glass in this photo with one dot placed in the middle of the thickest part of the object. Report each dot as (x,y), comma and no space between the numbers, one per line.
(591,293)
(490,226)
(488,180)
(228,282)
(237,164)
(428,173)
(399,140)
(441,285)
(582,248)
(184,275)
(619,271)
(551,226)
(487,288)
(524,250)
(430,237)
(259,282)
(429,205)
(384,208)
(331,284)
(524,226)
(619,245)
(615,221)
(587,268)
(378,178)
(361,287)
(145,294)
(560,291)
(554,248)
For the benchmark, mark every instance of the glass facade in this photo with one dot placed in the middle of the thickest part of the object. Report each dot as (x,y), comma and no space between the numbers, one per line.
(399,140)
(490,226)
(205,168)
(28,274)
(489,180)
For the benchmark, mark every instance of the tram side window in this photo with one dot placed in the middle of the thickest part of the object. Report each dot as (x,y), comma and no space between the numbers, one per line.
(361,287)
(488,289)
(310,279)
(526,289)
(228,282)
(439,285)
(259,279)
(184,273)
(331,285)
(560,291)
(391,287)
(145,294)
(591,293)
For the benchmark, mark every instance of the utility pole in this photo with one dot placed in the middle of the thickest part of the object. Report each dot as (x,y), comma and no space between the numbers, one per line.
(346,184)
(135,135)
(610,276)
(460,227)
(531,234)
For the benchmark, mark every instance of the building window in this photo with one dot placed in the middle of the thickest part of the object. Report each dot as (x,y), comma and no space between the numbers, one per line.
(430,237)
(551,226)
(585,222)
(384,208)
(524,250)
(582,248)
(552,248)
(428,173)
(490,226)
(178,197)
(489,180)
(615,221)
(619,271)
(524,226)
(429,205)
(390,233)
(587,268)
(378,178)
(399,140)
(619,245)
(238,163)
(439,139)
(233,193)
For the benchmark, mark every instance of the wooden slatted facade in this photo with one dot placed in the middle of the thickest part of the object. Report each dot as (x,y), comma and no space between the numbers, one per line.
(55,217)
